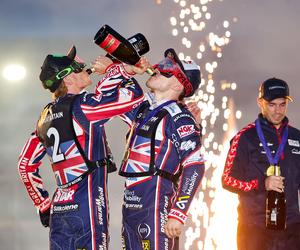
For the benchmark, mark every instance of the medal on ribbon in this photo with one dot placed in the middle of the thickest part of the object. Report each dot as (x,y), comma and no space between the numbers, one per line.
(273,161)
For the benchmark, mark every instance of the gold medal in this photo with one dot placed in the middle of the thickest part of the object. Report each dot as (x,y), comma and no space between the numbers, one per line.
(127,147)
(272,170)
(126,154)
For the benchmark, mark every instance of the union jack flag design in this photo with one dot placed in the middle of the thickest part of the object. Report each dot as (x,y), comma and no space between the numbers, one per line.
(139,156)
(72,167)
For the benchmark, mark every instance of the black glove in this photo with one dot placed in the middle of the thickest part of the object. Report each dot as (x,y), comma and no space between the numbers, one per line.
(44,217)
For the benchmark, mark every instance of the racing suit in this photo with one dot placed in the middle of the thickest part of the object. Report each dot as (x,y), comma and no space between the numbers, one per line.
(71,132)
(245,174)
(163,169)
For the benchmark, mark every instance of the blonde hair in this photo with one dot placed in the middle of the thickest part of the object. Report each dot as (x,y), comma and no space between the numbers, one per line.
(62,90)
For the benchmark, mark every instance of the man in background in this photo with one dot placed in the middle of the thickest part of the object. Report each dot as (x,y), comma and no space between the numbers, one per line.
(253,153)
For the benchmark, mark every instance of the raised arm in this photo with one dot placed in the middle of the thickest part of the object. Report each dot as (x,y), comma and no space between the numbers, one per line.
(116,93)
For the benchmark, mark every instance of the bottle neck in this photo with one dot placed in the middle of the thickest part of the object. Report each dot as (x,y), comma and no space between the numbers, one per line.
(277,170)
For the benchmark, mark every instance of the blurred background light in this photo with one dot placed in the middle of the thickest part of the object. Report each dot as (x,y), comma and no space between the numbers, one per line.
(14,72)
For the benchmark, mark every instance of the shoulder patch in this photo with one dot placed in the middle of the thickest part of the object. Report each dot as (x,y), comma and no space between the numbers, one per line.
(173,109)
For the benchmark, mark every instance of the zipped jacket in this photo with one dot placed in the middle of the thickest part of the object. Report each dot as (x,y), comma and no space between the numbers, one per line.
(246,166)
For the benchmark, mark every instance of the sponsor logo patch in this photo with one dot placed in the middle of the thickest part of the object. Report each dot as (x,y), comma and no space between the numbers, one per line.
(189,184)
(195,157)
(186,145)
(131,200)
(294,143)
(146,244)
(182,201)
(181,116)
(103,246)
(185,130)
(295,151)
(65,195)
(145,127)
(100,205)
(131,196)
(65,208)
(144,230)
(164,214)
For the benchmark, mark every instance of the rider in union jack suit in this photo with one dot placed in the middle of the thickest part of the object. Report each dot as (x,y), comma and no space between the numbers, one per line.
(70,131)
(162,165)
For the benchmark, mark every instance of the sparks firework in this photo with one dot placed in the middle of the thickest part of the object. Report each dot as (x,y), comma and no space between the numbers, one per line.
(213,216)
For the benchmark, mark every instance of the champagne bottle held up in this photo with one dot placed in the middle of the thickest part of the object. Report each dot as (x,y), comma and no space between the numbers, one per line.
(138,41)
(127,51)
(275,207)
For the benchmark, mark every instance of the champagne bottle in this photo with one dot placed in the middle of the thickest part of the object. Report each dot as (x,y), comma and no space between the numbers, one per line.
(138,41)
(140,44)
(122,49)
(276,207)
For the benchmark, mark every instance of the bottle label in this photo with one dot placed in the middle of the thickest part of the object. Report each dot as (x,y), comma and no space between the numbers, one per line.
(273,216)
(110,44)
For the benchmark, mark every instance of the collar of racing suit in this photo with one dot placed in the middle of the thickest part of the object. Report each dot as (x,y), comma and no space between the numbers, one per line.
(58,99)
(152,101)
(265,122)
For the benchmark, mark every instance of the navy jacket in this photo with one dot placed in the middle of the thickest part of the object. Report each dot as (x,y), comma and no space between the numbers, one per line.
(246,166)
